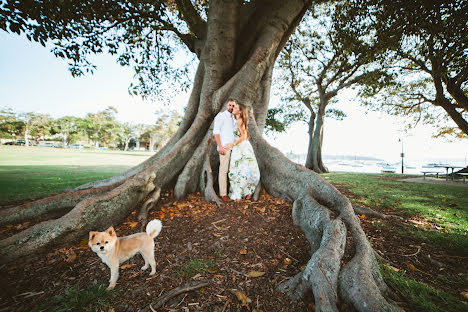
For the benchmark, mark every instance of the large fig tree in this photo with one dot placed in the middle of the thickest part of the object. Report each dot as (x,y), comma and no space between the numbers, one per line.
(236,43)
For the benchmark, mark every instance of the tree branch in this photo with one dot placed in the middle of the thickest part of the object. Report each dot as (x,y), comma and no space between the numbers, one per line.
(195,23)
(456,92)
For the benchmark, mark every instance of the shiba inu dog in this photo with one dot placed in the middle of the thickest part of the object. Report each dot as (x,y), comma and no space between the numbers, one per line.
(114,250)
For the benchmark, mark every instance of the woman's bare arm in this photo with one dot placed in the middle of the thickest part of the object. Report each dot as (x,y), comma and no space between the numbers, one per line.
(243,134)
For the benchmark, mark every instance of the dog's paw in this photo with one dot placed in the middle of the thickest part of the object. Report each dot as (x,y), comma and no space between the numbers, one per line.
(152,272)
(144,267)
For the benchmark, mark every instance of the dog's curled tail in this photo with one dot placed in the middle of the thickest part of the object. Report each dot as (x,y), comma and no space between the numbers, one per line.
(154,228)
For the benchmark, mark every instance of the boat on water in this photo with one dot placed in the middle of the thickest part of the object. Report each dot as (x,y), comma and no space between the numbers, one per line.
(387,168)
(434,165)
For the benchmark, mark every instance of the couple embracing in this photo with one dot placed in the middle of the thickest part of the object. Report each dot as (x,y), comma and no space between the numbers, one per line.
(236,156)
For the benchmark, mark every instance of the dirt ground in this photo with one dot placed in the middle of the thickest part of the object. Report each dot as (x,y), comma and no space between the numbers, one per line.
(242,249)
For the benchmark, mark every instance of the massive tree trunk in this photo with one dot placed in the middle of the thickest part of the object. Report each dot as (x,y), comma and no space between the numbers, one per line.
(236,60)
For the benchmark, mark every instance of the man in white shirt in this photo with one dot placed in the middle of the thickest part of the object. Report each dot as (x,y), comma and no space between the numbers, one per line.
(223,130)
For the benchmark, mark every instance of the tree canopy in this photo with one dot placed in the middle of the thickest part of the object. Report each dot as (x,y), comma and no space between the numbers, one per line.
(426,46)
(143,34)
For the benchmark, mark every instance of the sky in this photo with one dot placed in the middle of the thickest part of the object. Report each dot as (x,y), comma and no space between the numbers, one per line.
(33,79)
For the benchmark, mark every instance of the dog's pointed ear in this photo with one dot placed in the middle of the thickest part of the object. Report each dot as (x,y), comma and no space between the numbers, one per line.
(111,231)
(92,235)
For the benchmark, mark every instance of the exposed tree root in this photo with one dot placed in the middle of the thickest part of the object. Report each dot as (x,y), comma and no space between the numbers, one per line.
(206,179)
(325,215)
(92,213)
(147,206)
(257,192)
(49,207)
(188,180)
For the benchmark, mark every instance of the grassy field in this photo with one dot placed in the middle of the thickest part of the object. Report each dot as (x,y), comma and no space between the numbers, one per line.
(444,206)
(40,171)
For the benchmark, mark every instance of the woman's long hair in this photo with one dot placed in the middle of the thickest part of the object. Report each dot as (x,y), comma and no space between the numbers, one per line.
(245,117)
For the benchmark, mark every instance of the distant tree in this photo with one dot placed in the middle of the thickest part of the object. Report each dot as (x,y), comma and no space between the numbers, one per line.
(40,126)
(314,67)
(129,131)
(426,44)
(164,128)
(10,125)
(67,127)
(102,127)
(31,121)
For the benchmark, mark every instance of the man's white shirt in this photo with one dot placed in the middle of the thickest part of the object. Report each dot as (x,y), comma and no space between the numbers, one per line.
(224,125)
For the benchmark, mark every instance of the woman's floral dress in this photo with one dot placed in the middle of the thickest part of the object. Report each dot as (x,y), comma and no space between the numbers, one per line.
(244,173)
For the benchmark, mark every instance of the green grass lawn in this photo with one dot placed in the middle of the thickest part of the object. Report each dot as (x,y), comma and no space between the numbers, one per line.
(444,206)
(40,171)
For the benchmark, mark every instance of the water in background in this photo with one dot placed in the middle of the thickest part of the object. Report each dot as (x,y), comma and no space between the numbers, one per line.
(336,163)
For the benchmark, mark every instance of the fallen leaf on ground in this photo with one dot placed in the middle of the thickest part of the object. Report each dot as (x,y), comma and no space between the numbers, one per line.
(243,251)
(392,268)
(132,224)
(256,273)
(287,261)
(242,297)
(71,256)
(83,244)
(126,266)
(464,294)
(260,209)
(413,268)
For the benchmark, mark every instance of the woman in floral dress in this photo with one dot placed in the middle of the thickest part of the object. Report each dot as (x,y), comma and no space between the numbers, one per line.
(244,174)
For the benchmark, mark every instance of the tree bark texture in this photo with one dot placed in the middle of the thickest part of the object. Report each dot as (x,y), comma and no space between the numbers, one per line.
(237,55)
